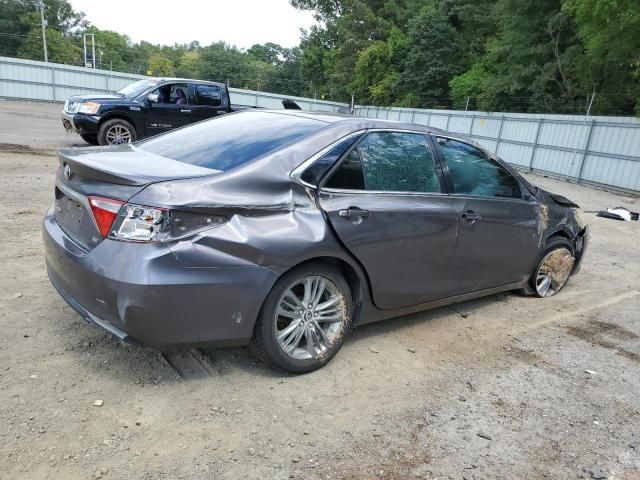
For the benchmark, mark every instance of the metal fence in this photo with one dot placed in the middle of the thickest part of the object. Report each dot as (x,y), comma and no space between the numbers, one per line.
(598,150)
(54,82)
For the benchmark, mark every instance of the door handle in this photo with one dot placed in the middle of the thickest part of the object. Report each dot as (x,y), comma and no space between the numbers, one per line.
(354,212)
(470,216)
(185,111)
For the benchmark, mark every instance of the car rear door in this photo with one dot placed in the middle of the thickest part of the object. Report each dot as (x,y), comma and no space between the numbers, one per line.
(385,200)
(208,101)
(499,221)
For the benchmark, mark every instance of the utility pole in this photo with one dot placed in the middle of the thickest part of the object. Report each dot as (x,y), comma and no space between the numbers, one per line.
(43,22)
(93,49)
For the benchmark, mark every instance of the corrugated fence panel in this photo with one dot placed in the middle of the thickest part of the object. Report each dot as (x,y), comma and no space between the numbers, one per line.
(486,127)
(602,150)
(621,173)
(519,155)
(616,140)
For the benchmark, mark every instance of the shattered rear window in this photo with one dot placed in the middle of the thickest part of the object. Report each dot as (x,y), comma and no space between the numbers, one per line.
(231,140)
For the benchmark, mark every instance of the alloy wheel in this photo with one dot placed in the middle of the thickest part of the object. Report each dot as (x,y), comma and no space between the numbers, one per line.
(554,271)
(117,135)
(309,317)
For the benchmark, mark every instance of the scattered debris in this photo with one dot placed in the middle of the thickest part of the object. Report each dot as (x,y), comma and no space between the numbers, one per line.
(635,445)
(484,435)
(594,472)
(590,372)
(33,376)
(618,213)
(15,296)
(374,349)
(411,350)
(97,403)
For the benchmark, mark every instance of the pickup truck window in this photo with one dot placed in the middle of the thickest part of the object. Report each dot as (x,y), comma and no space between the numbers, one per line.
(208,95)
(135,89)
(173,93)
(225,142)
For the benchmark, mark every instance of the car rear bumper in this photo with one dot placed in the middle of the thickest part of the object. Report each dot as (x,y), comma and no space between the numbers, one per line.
(141,294)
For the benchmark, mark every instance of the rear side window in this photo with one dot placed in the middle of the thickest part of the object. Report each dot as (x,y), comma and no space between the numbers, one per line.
(314,173)
(388,161)
(225,142)
(473,173)
(349,175)
(209,95)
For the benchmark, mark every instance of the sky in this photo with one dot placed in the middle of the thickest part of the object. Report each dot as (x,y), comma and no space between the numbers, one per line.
(238,22)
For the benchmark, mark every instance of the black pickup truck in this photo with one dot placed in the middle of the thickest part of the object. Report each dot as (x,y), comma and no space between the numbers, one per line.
(145,108)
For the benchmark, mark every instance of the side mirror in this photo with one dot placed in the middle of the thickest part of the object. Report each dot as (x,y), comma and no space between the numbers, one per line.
(152,97)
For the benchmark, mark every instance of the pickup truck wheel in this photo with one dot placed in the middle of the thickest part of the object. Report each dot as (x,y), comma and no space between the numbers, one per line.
(116,132)
(91,139)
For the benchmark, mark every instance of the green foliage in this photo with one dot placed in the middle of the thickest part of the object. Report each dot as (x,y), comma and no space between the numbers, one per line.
(509,55)
(435,56)
(60,48)
(469,85)
(160,66)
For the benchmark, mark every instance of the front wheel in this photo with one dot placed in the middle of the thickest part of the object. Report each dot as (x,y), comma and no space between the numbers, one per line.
(116,132)
(554,268)
(304,320)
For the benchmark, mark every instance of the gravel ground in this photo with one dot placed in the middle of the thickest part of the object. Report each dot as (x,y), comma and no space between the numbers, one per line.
(501,387)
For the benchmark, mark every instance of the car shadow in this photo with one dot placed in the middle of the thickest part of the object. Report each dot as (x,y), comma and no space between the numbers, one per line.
(106,355)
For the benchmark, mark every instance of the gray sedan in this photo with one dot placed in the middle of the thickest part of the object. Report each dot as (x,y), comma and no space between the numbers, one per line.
(281,230)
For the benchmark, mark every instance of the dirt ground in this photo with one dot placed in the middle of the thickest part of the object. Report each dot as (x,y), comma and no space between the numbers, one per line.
(502,387)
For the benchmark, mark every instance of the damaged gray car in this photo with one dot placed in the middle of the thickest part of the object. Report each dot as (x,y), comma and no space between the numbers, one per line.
(283,230)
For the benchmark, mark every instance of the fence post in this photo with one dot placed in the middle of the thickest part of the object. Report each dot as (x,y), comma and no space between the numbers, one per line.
(413,115)
(535,145)
(473,117)
(586,151)
(499,134)
(53,84)
(446,127)
(429,118)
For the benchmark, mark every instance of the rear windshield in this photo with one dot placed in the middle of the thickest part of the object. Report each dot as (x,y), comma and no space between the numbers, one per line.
(231,140)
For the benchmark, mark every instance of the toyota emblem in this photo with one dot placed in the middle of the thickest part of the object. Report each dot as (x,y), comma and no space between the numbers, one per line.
(67,171)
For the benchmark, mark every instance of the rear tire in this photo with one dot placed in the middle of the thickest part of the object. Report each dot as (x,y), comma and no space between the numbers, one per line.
(553,268)
(90,138)
(304,320)
(116,132)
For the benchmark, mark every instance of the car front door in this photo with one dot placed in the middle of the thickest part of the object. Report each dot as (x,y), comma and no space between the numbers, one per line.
(385,200)
(171,110)
(209,101)
(499,221)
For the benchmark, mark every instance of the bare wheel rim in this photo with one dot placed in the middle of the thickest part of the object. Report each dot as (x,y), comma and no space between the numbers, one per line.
(309,317)
(118,134)
(554,271)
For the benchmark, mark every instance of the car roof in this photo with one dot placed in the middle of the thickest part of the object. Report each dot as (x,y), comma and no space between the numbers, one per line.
(363,122)
(189,80)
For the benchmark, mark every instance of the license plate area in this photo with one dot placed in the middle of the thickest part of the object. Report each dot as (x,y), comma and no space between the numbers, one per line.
(75,220)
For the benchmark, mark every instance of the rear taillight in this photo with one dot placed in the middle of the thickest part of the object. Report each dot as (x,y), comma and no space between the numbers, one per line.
(138,223)
(105,211)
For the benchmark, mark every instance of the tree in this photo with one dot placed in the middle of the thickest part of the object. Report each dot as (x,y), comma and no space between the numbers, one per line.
(60,48)
(609,30)
(160,66)
(435,55)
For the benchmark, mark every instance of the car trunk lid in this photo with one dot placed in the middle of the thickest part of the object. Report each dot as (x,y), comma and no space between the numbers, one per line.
(111,172)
